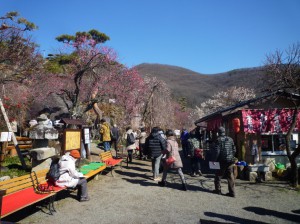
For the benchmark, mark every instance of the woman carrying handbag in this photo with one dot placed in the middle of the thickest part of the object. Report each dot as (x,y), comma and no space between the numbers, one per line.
(172,160)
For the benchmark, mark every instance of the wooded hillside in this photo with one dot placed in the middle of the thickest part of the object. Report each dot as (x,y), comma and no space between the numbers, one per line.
(196,87)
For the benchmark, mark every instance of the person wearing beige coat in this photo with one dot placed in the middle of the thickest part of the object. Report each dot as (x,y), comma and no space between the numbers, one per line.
(129,146)
(172,150)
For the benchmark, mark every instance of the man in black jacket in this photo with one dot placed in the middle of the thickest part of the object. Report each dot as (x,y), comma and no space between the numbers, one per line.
(154,145)
(225,152)
(115,135)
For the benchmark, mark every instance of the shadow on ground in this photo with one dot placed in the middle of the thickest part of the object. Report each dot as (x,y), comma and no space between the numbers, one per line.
(232,218)
(281,215)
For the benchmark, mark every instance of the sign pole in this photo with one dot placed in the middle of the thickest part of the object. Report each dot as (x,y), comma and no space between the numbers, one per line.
(13,135)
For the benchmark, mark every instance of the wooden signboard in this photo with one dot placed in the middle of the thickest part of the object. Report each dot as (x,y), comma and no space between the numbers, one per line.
(72,139)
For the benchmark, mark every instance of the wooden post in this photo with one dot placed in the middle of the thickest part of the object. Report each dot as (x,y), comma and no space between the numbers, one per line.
(2,151)
(13,135)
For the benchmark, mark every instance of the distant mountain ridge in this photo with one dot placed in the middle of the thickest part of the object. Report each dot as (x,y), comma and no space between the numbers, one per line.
(197,87)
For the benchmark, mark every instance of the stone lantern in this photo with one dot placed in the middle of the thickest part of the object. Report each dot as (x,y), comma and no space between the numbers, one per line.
(41,133)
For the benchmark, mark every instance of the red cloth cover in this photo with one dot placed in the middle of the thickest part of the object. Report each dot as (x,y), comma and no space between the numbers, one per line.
(21,199)
(112,161)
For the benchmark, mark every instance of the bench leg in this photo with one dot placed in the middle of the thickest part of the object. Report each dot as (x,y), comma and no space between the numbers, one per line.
(111,171)
(51,204)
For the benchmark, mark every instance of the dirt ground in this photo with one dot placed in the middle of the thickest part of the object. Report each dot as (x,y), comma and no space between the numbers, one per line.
(131,196)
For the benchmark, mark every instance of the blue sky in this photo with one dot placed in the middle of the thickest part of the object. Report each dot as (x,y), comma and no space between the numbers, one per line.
(210,36)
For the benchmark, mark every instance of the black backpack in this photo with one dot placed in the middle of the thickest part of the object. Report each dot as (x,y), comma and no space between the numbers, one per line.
(130,139)
(112,136)
(53,174)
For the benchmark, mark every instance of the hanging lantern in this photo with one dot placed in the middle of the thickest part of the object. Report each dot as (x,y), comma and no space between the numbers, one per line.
(236,123)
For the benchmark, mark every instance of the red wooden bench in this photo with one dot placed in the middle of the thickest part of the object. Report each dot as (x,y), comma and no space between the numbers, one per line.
(110,161)
(20,192)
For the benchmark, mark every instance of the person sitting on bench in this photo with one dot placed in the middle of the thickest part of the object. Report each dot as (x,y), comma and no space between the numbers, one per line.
(70,177)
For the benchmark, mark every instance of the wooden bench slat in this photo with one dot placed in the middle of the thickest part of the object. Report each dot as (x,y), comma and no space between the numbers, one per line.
(16,183)
(2,183)
(10,147)
(19,187)
(22,138)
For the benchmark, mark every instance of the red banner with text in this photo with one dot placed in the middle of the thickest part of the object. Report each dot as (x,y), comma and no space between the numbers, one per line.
(269,121)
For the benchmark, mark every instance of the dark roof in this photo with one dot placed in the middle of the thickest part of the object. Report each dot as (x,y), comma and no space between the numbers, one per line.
(73,121)
(245,103)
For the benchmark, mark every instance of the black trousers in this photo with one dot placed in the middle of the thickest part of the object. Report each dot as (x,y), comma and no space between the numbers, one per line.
(195,165)
(130,152)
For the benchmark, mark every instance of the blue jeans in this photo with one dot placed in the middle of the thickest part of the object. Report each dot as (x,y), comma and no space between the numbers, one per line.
(179,171)
(155,165)
(106,146)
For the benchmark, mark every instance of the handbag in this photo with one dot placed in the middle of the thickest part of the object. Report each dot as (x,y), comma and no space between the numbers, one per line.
(198,153)
(171,159)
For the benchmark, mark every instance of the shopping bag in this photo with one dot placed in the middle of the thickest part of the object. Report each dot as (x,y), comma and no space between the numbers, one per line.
(214,165)
(198,153)
(170,160)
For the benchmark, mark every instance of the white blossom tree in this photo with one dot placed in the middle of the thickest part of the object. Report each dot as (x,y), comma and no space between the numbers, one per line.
(224,99)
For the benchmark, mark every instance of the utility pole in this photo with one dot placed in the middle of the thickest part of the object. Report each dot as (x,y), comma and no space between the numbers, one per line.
(13,135)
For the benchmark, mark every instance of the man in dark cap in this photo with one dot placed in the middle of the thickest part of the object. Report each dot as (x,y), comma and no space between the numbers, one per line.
(225,152)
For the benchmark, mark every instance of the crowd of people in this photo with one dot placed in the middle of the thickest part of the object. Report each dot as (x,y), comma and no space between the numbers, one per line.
(162,149)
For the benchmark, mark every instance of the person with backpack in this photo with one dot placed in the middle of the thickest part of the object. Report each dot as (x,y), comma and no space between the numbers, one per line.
(115,135)
(142,139)
(225,152)
(155,145)
(194,153)
(184,136)
(130,143)
(70,177)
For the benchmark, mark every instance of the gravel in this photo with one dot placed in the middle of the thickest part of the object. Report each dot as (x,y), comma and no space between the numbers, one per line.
(131,196)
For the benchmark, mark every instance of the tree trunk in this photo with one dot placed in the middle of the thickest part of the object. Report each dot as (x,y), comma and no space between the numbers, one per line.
(95,106)
(292,157)
(145,113)
(294,169)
